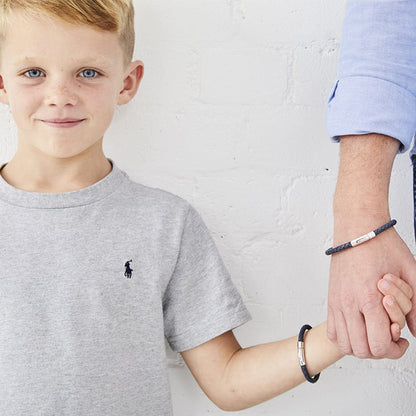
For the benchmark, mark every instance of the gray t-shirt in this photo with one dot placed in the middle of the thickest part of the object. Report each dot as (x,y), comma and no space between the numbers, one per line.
(92,281)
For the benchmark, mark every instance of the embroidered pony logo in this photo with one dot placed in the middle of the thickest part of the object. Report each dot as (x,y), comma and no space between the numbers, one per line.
(128,271)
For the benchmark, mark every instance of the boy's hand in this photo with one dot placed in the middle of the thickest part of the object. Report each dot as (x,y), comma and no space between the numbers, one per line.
(397,302)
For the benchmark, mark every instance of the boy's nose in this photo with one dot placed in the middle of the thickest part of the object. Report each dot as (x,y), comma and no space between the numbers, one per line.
(61,95)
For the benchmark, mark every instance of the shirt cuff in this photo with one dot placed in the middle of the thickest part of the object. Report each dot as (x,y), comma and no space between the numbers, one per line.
(362,105)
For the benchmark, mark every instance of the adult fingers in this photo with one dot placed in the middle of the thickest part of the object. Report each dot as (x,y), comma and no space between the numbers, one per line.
(378,328)
(343,340)
(358,335)
(331,328)
(411,318)
(397,349)
(409,274)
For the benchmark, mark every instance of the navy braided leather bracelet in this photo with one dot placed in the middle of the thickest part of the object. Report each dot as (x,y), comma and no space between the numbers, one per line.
(361,239)
(301,355)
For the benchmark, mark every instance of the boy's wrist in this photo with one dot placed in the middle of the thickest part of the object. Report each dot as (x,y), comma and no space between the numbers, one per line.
(320,351)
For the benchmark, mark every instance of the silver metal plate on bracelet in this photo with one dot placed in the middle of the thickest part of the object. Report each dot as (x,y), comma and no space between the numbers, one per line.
(363,238)
(301,353)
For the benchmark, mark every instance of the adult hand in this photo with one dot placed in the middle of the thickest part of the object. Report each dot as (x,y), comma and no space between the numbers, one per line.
(357,320)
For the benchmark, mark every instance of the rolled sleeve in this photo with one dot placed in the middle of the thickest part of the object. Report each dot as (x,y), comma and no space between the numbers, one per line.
(375,91)
(362,105)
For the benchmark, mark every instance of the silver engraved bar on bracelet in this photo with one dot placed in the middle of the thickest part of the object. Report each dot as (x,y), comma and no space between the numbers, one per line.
(301,353)
(363,239)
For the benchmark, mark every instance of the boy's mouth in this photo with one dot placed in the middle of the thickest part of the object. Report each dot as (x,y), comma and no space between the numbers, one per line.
(63,123)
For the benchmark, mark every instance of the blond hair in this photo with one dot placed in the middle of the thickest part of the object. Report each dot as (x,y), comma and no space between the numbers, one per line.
(115,16)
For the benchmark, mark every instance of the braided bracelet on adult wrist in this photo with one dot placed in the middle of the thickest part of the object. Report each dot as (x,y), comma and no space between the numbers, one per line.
(301,355)
(361,239)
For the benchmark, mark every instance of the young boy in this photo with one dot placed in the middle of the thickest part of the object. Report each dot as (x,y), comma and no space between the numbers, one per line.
(97,269)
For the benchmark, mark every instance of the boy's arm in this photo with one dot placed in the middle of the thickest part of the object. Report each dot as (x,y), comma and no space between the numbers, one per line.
(236,378)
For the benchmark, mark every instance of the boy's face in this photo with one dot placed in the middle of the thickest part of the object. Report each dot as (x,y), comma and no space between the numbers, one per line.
(63,83)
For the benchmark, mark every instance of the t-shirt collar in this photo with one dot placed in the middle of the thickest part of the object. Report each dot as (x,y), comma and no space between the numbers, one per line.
(99,190)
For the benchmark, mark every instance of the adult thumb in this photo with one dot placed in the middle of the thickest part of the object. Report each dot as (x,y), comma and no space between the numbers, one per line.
(411,318)
(409,275)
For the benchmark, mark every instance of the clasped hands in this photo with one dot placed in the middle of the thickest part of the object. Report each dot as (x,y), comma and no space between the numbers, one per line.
(371,298)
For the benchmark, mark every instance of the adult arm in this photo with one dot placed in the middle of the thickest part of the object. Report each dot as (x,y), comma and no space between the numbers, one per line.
(357,320)
(372,112)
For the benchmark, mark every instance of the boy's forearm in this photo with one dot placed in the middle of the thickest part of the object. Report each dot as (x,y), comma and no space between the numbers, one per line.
(259,373)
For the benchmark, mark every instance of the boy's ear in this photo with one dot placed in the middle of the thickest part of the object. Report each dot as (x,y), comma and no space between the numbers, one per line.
(3,94)
(131,82)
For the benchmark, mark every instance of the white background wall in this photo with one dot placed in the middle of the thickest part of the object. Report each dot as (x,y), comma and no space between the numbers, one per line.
(231,117)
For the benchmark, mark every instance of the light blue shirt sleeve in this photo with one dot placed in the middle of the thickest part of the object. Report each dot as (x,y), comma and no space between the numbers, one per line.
(375,90)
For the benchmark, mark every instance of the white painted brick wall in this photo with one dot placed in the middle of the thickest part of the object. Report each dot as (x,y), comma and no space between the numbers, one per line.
(231,116)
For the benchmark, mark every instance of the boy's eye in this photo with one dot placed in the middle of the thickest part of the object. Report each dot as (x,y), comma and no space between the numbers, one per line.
(89,73)
(33,73)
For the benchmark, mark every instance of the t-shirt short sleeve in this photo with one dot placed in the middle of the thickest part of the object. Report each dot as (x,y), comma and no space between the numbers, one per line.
(200,301)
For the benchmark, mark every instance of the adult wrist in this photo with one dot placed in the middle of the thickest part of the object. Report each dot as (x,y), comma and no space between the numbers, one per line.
(352,224)
(353,213)
(357,199)
(364,174)
(361,239)
(352,216)
(355,210)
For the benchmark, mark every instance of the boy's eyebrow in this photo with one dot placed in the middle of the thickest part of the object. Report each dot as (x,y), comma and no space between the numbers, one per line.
(24,60)
(80,62)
